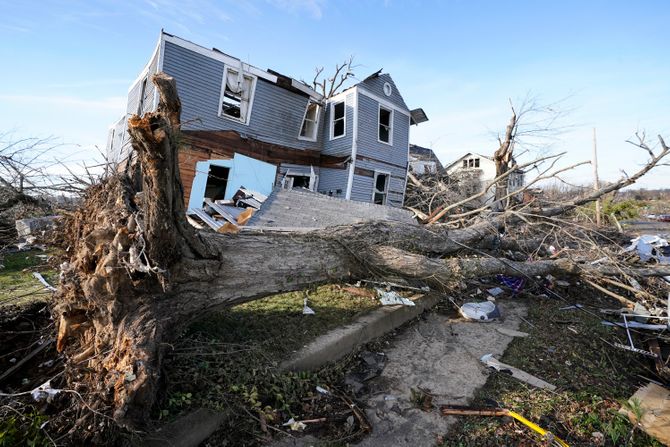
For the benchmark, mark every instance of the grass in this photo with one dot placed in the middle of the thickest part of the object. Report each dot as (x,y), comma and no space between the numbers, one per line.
(17,283)
(593,379)
(229,362)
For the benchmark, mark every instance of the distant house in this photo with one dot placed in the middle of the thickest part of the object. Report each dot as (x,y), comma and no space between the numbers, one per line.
(422,160)
(485,167)
(244,126)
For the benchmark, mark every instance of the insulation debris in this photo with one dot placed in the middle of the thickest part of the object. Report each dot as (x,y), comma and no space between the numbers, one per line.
(392,298)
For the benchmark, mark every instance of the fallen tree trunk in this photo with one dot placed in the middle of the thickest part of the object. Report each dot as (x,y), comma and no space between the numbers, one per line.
(138,272)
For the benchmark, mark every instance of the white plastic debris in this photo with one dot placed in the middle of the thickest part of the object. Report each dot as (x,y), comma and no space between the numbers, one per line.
(322,390)
(485,311)
(393,298)
(294,425)
(489,360)
(44,282)
(649,247)
(306,310)
(44,392)
(495,291)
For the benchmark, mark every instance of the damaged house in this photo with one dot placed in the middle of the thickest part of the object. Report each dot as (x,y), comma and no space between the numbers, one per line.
(483,170)
(244,127)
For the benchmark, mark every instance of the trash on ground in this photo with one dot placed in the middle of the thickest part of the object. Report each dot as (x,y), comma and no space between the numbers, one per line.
(322,390)
(484,311)
(44,392)
(511,332)
(44,282)
(490,361)
(495,291)
(649,246)
(306,310)
(458,410)
(653,402)
(637,325)
(295,425)
(371,365)
(513,282)
(393,298)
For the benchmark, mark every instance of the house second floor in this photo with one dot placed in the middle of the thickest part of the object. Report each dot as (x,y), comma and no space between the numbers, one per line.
(367,124)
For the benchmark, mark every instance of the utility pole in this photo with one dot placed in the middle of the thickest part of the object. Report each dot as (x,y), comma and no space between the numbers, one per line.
(596,181)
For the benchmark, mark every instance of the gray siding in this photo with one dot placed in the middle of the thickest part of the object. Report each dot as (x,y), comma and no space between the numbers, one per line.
(361,189)
(376,86)
(396,189)
(276,113)
(332,180)
(339,146)
(368,144)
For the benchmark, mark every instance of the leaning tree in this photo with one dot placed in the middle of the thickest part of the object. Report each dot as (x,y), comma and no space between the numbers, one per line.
(137,272)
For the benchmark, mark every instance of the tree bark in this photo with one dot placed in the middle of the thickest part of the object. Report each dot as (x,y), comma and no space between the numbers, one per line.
(138,272)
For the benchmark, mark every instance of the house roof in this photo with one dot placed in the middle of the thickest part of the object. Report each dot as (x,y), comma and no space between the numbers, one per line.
(425,154)
(457,161)
(269,75)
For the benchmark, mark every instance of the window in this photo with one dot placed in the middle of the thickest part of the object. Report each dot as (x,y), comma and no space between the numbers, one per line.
(236,96)
(310,122)
(338,120)
(465,163)
(385,125)
(471,163)
(381,187)
(143,90)
(476,162)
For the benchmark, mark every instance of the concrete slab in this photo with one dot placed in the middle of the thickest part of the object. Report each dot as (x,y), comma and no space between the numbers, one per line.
(438,354)
(343,340)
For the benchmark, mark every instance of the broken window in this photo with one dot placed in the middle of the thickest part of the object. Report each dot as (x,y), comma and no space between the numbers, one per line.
(236,98)
(310,122)
(217,181)
(380,188)
(338,121)
(140,104)
(385,120)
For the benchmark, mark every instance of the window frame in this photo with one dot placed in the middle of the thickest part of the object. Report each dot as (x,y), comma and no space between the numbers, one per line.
(379,124)
(316,121)
(376,191)
(332,119)
(242,120)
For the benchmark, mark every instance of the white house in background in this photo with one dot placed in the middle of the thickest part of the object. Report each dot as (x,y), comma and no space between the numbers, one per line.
(472,162)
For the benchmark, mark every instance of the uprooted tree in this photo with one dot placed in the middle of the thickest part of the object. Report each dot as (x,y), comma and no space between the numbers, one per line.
(138,272)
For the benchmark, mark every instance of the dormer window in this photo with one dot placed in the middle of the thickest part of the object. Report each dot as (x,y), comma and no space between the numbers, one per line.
(471,163)
(385,125)
(236,95)
(310,122)
(338,120)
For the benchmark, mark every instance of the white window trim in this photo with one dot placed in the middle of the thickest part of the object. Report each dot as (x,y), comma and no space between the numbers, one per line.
(316,122)
(379,111)
(244,121)
(332,119)
(374,186)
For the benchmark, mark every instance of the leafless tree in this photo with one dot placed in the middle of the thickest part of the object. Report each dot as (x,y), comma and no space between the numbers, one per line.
(329,86)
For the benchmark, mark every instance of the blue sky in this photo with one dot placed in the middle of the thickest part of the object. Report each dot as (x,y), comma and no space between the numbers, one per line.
(67,65)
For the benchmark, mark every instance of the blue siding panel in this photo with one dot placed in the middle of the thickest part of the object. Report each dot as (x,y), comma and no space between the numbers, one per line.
(376,86)
(339,146)
(330,180)
(276,113)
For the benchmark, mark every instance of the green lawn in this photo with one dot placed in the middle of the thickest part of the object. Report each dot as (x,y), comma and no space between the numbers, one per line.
(17,283)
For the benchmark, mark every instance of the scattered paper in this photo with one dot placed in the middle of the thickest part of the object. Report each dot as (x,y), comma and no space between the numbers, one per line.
(294,425)
(306,310)
(393,298)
